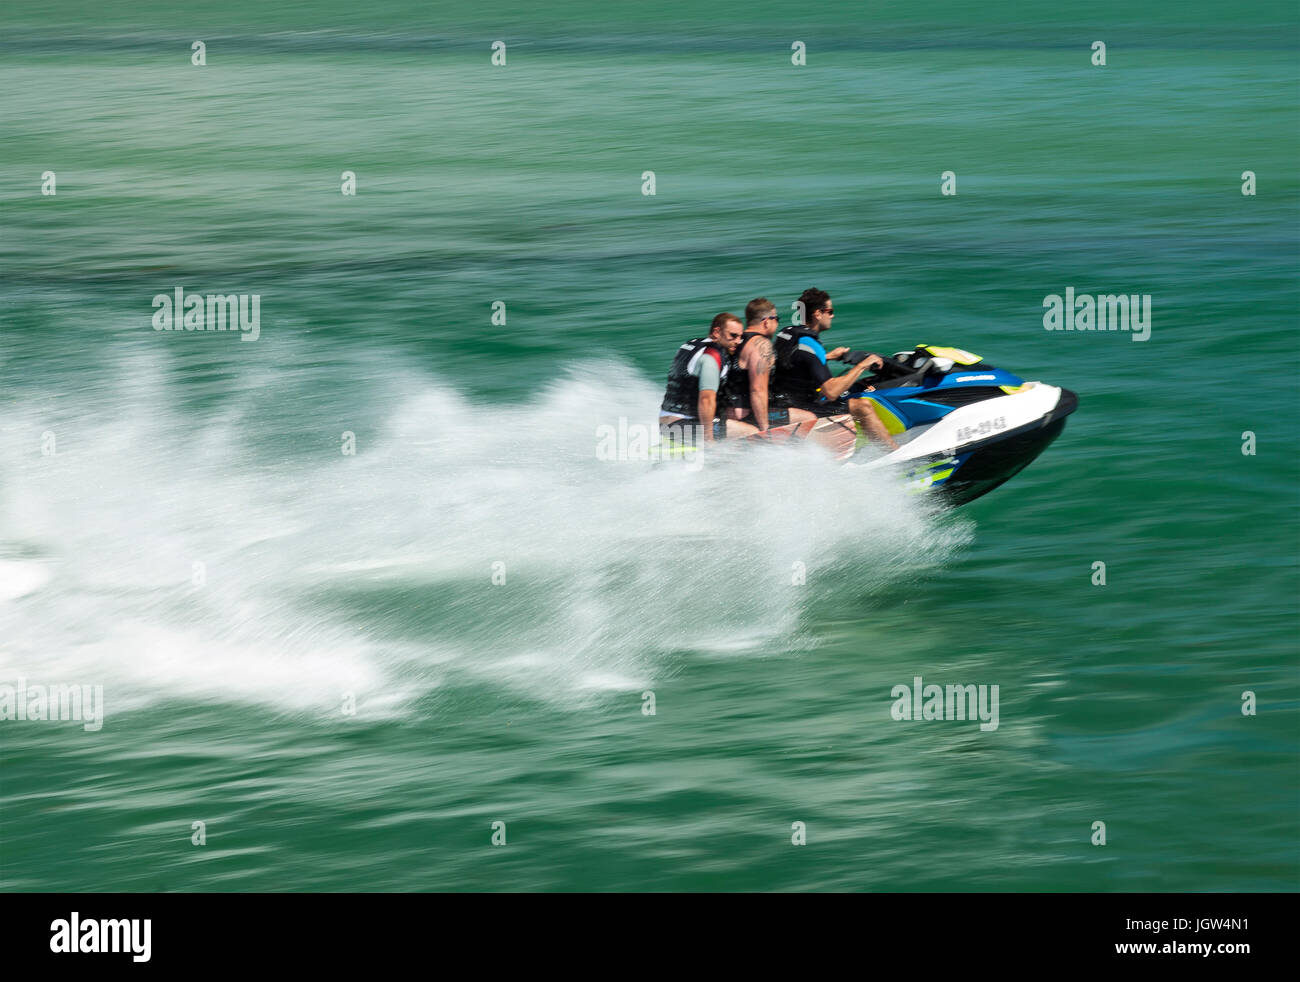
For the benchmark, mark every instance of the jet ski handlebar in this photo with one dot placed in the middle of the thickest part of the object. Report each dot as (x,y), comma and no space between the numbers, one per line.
(889,368)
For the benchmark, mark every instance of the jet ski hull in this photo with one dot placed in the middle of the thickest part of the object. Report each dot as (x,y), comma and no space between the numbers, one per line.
(978,447)
(985,469)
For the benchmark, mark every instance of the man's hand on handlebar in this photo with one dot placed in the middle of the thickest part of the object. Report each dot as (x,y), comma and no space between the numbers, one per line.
(863,359)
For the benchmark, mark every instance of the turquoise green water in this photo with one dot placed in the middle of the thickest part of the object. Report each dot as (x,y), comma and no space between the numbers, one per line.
(369,577)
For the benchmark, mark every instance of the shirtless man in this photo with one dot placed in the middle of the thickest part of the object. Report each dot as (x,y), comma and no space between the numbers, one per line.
(747,390)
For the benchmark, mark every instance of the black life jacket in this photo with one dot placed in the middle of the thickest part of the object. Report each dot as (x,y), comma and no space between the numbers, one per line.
(787,380)
(736,392)
(683,392)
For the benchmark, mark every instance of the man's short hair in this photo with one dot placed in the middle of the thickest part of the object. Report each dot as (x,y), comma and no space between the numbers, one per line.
(757,309)
(722,319)
(813,299)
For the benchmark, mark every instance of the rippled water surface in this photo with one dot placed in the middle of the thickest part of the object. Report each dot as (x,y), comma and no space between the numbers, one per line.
(180,524)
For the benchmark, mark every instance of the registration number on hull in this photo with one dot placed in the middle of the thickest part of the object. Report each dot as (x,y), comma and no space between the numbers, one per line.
(984,428)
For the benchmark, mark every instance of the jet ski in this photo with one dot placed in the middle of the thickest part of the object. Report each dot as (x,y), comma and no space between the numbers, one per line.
(963,426)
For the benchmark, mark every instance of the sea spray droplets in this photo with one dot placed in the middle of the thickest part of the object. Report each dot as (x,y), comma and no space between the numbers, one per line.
(373,573)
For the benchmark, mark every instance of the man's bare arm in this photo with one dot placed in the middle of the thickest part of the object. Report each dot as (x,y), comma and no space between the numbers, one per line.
(708,404)
(760,359)
(833,388)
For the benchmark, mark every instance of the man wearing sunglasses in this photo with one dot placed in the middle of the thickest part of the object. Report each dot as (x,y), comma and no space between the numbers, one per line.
(747,389)
(699,371)
(803,379)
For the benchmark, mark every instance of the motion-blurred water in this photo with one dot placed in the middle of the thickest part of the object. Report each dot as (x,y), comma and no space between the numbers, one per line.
(179,522)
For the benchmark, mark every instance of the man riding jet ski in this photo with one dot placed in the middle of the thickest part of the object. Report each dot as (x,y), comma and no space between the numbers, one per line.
(748,390)
(689,411)
(950,420)
(803,380)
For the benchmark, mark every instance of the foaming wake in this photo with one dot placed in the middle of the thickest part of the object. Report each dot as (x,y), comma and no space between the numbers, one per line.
(238,555)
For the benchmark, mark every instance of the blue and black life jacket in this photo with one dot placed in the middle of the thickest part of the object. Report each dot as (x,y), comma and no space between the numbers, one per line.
(789,380)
